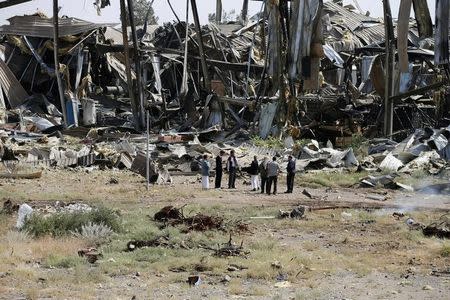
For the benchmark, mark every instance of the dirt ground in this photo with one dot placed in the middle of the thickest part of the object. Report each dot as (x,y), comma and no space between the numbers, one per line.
(356,251)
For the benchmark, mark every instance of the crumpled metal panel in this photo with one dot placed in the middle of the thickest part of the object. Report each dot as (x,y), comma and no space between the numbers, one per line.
(333,55)
(266,119)
(14,91)
(37,26)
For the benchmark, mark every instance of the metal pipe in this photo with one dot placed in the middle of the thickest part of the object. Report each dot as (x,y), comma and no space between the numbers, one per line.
(55,51)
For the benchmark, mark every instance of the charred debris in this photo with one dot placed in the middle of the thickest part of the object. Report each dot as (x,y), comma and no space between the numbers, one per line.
(312,69)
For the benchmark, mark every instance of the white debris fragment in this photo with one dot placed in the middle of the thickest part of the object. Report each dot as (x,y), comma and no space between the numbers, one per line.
(25,212)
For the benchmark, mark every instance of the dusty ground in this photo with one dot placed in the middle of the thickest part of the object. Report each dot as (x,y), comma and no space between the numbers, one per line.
(358,251)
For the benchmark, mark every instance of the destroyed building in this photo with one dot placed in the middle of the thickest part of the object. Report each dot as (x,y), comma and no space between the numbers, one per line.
(302,69)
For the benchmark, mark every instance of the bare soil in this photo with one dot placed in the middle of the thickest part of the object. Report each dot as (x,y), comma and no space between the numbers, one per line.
(355,251)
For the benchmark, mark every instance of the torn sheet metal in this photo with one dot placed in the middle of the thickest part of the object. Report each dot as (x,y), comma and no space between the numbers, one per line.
(341,158)
(156,63)
(14,91)
(139,166)
(119,67)
(445,153)
(333,56)
(301,29)
(421,162)
(266,118)
(391,163)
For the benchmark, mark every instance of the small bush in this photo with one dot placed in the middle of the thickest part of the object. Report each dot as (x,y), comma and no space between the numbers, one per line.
(445,251)
(65,223)
(95,234)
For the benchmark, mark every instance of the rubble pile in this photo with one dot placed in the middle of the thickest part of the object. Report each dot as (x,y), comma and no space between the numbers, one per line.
(202,89)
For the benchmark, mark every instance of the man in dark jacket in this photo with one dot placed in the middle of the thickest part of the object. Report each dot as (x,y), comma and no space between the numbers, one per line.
(232,166)
(263,173)
(219,170)
(290,174)
(254,171)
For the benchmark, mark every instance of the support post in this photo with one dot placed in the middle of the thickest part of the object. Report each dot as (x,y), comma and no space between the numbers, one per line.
(218,11)
(55,51)
(244,12)
(389,70)
(137,65)
(134,103)
(147,165)
(198,30)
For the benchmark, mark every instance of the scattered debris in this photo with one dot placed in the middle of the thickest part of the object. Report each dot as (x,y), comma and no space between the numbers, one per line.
(307,194)
(161,241)
(398,215)
(91,254)
(114,181)
(194,280)
(376,197)
(226,279)
(168,213)
(440,228)
(296,213)
(10,208)
(412,224)
(172,216)
(283,284)
(444,273)
(228,249)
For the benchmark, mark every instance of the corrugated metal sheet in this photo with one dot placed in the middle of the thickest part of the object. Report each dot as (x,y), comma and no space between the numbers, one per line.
(365,29)
(37,26)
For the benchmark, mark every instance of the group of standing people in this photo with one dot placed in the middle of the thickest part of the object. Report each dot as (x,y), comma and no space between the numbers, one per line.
(267,171)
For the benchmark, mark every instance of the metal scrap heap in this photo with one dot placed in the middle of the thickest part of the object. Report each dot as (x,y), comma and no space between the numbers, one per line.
(298,69)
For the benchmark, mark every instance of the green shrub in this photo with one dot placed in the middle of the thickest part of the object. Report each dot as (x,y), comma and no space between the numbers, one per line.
(65,223)
(63,262)
(445,251)
(270,142)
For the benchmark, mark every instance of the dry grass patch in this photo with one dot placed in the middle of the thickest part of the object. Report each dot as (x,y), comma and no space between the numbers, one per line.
(330,179)
(17,247)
